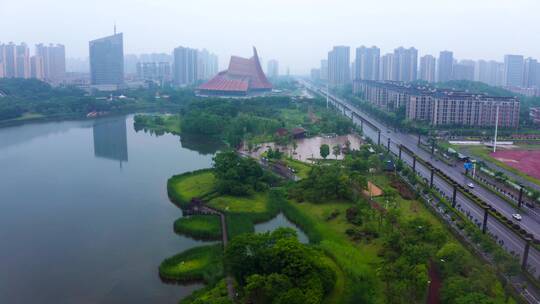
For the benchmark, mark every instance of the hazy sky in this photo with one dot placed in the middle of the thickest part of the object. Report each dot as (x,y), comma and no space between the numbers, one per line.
(296,32)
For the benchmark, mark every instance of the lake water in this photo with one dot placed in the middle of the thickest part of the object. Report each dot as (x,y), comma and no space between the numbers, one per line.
(84,212)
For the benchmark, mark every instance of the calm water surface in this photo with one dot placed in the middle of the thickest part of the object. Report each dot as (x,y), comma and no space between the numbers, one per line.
(84,213)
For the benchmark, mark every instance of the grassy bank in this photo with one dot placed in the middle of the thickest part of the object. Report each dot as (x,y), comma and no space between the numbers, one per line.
(183,187)
(204,227)
(197,264)
(158,123)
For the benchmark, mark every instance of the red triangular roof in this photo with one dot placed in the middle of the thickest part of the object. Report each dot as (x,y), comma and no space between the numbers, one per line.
(243,75)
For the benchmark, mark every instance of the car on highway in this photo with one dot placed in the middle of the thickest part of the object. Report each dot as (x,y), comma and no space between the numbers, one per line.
(470,185)
(517,216)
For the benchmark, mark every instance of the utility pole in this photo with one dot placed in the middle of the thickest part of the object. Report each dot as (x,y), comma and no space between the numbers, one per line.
(496,130)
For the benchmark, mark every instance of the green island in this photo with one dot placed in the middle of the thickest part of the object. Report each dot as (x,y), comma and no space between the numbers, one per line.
(205,227)
(197,264)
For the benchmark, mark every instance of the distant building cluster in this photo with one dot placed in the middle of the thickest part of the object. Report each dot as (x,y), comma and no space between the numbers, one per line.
(515,73)
(48,62)
(440,107)
(110,69)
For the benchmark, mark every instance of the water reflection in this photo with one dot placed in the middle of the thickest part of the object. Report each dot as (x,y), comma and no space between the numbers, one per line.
(31,131)
(110,139)
(281,221)
(205,146)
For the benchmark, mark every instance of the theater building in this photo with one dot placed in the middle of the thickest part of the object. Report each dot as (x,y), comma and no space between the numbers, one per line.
(243,77)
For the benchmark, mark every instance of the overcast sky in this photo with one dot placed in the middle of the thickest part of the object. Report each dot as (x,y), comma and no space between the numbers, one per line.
(298,33)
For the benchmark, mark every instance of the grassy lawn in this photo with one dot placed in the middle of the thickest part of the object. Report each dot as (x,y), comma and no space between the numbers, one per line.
(256,203)
(169,123)
(183,187)
(199,263)
(483,153)
(199,226)
(293,117)
(353,259)
(302,169)
(26,116)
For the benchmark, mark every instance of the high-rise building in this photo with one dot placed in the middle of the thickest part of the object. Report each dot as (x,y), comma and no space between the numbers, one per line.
(446,62)
(324,70)
(405,64)
(366,64)
(464,70)
(130,63)
(9,54)
(77,65)
(387,67)
(339,72)
(207,65)
(272,70)
(22,61)
(107,60)
(315,74)
(427,68)
(54,61)
(36,67)
(2,61)
(159,71)
(530,73)
(513,70)
(185,66)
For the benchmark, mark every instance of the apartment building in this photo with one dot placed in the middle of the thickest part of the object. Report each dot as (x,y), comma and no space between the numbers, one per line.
(440,107)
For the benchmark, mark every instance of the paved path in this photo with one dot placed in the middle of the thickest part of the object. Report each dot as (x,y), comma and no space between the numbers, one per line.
(225,238)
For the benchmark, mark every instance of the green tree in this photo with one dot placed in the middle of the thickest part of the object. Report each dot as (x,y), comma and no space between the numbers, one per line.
(324,150)
(336,150)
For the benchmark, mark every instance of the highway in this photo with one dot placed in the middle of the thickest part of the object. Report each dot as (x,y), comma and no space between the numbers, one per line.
(506,238)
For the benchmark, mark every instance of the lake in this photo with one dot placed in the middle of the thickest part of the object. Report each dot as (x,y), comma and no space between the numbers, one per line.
(85,216)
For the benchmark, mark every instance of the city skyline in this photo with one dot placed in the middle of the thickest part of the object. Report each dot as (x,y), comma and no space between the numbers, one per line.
(319,27)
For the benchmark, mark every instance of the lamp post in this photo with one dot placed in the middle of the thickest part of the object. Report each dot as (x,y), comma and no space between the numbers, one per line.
(496,130)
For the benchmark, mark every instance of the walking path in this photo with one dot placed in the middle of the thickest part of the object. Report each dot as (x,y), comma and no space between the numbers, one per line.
(198,206)
(229,279)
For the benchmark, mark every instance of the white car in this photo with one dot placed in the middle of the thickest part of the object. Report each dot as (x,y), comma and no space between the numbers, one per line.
(517,216)
(470,185)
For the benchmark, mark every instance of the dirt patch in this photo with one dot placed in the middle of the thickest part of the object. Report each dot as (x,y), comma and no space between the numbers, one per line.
(373,190)
(403,189)
(526,161)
